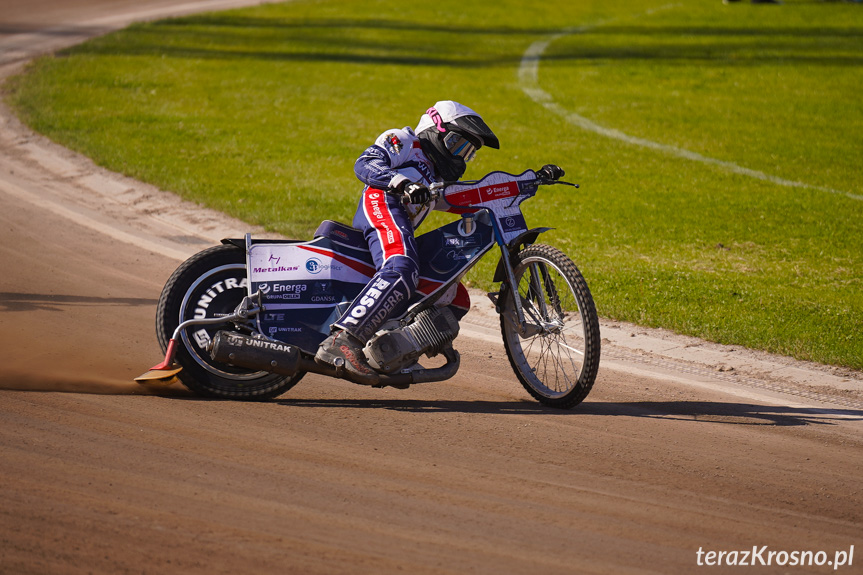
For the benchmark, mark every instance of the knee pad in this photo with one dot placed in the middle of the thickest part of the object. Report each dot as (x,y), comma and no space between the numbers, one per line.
(401,267)
(385,296)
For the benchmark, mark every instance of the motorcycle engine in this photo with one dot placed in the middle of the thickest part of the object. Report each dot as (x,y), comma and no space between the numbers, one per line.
(430,332)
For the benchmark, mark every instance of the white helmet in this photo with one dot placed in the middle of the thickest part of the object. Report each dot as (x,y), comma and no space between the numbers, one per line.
(450,134)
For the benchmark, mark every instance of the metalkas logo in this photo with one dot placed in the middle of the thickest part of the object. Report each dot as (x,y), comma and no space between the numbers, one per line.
(275,267)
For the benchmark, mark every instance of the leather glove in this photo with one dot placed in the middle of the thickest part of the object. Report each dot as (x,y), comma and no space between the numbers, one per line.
(418,193)
(550,172)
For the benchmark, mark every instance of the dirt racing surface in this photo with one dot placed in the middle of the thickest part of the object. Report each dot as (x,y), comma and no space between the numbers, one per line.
(685,455)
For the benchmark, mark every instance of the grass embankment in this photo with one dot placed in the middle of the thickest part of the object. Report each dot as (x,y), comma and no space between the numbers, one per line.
(261,113)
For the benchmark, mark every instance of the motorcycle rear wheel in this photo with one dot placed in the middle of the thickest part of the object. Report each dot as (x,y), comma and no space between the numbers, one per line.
(211,284)
(557,364)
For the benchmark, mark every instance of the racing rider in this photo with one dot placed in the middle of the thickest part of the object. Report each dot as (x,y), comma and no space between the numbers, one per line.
(397,170)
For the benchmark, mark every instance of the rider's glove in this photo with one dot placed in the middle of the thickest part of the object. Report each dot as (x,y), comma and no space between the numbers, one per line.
(550,172)
(418,193)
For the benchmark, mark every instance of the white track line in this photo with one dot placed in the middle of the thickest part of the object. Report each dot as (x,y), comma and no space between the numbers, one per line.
(86,221)
(528,79)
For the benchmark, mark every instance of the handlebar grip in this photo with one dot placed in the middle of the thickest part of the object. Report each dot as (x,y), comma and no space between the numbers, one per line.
(434,192)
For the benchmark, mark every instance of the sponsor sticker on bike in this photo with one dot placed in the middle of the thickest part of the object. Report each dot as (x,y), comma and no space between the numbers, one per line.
(512,223)
(272,264)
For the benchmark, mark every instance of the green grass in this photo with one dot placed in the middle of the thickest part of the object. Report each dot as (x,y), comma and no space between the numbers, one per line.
(261,113)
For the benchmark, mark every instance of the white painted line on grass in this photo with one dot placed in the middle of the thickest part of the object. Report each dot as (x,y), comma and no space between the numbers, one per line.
(528,79)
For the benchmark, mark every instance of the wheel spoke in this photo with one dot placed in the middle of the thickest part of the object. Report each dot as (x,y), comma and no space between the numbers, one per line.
(578,351)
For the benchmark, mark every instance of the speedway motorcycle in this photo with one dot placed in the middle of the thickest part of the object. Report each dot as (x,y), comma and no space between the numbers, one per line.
(243,320)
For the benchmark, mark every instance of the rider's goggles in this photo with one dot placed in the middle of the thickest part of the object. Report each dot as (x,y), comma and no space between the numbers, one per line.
(458,145)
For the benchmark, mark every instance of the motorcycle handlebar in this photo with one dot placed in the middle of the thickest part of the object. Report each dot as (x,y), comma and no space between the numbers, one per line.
(543,182)
(437,188)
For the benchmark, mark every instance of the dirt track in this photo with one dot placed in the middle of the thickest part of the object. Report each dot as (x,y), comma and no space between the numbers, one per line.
(100,476)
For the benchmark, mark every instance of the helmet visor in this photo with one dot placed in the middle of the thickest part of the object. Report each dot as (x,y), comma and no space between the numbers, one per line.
(458,145)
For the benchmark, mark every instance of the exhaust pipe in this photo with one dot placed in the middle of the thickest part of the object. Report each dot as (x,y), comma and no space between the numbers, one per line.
(258,354)
(285,359)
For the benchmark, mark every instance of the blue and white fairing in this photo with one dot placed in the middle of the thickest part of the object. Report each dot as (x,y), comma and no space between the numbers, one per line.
(305,286)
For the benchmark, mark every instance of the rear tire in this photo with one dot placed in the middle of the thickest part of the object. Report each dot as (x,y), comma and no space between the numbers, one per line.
(558,364)
(211,284)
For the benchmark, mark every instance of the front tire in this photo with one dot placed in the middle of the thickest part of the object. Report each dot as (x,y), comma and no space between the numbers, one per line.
(212,283)
(558,361)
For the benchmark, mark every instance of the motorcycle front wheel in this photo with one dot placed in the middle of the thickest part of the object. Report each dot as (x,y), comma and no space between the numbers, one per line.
(210,284)
(557,359)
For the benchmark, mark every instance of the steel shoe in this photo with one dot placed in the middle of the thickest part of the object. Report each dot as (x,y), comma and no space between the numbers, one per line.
(344,350)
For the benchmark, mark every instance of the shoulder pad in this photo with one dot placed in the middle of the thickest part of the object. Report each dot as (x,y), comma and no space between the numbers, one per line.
(397,143)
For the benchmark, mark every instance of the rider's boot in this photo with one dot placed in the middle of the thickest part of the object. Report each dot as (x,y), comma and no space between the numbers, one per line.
(343,349)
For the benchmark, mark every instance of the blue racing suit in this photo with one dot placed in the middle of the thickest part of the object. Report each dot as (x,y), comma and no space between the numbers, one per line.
(388,226)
